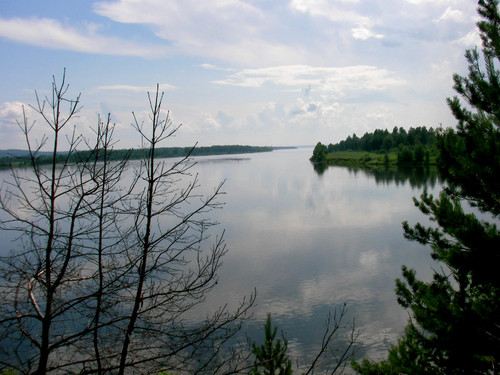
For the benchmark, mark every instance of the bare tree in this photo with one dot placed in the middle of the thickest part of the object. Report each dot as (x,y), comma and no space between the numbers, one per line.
(110,256)
(172,271)
(37,277)
(338,344)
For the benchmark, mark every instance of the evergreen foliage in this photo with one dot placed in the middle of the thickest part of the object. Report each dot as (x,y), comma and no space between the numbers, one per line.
(412,148)
(271,357)
(319,153)
(405,156)
(407,357)
(382,140)
(418,153)
(455,325)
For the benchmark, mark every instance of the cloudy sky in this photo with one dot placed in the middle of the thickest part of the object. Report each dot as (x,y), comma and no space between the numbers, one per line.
(260,72)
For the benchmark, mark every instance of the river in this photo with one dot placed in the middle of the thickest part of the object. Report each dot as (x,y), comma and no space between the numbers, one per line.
(309,242)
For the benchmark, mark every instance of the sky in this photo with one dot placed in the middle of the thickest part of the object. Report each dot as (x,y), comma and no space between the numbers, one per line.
(256,72)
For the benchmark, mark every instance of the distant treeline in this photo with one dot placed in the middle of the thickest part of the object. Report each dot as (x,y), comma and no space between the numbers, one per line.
(20,159)
(385,141)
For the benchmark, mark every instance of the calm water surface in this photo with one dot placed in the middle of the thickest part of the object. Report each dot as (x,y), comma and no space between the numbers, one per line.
(308,242)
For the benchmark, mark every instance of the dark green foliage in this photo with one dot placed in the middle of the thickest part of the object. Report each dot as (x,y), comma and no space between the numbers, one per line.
(418,154)
(9,371)
(271,357)
(458,312)
(319,153)
(407,357)
(405,156)
(387,143)
(382,140)
(476,144)
(456,315)
(413,147)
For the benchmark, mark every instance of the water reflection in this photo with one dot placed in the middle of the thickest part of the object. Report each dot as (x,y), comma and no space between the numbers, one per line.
(309,240)
(417,177)
(320,168)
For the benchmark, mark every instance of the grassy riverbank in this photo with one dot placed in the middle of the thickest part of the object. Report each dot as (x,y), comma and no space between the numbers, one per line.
(366,159)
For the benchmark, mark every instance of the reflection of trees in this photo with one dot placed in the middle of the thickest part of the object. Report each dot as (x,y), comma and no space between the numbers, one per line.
(417,177)
(320,168)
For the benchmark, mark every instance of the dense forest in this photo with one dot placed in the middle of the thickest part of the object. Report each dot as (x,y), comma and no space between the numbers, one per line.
(415,146)
(383,140)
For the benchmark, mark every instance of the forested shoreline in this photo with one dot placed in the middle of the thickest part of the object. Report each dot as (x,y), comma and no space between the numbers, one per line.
(415,147)
(19,158)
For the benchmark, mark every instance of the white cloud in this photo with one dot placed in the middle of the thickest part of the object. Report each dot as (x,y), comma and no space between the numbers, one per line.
(452,15)
(433,2)
(214,67)
(142,89)
(364,33)
(332,10)
(201,124)
(263,55)
(341,81)
(10,133)
(10,111)
(233,31)
(50,33)
(272,114)
(470,39)
(237,32)
(11,122)
(322,112)
(159,12)
(211,122)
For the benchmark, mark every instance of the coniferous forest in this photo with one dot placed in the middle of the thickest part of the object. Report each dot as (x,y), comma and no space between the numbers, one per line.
(385,141)
(415,147)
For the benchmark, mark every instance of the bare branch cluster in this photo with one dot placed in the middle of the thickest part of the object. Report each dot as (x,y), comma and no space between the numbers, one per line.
(338,344)
(111,255)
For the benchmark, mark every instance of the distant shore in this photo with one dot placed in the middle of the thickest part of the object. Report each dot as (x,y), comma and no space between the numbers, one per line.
(19,158)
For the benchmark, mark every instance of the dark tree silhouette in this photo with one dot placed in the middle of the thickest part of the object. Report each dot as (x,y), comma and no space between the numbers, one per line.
(455,327)
(110,256)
